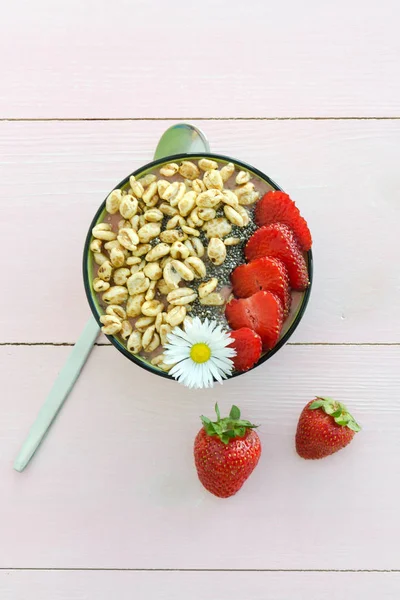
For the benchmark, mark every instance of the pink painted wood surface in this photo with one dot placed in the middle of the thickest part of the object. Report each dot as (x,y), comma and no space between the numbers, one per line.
(125,585)
(114,484)
(249,59)
(344,176)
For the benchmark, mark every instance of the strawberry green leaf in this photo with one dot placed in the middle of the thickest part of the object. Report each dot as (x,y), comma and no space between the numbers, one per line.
(353,425)
(218,428)
(228,427)
(235,413)
(316,404)
(230,433)
(205,420)
(345,417)
(337,411)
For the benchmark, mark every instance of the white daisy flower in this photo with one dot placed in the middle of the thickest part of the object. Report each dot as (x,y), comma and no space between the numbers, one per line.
(199,353)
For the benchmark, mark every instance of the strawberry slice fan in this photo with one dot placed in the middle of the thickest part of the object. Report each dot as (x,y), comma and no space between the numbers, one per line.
(271,290)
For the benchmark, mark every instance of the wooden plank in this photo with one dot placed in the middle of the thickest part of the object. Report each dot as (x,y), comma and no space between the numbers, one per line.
(124,585)
(135,59)
(114,483)
(342,173)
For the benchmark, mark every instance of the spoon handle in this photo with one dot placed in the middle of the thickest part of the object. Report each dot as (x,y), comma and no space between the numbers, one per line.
(58,393)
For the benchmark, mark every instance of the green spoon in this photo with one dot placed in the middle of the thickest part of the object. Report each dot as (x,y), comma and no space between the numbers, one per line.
(181,138)
(178,139)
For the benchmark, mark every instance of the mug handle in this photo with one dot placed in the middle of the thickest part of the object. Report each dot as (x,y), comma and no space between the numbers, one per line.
(181,138)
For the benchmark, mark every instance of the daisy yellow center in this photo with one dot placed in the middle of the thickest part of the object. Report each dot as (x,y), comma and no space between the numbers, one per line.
(200,353)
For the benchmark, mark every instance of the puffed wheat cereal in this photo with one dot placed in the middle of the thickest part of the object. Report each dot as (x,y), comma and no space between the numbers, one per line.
(137,284)
(143,323)
(150,339)
(153,271)
(149,232)
(233,216)
(126,329)
(197,266)
(116,311)
(111,325)
(179,251)
(176,316)
(134,343)
(160,247)
(151,308)
(207,287)
(128,239)
(219,227)
(134,305)
(213,180)
(207,164)
(128,207)
(242,177)
(102,231)
(216,251)
(181,296)
(136,186)
(115,295)
(189,170)
(184,271)
(227,171)
(113,201)
(169,170)
(99,285)
(121,275)
(105,271)
(213,299)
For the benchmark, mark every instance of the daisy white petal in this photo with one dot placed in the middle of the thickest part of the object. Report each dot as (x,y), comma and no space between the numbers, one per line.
(199,352)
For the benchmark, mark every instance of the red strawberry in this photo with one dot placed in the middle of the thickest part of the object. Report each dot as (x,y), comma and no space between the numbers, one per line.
(277,207)
(278,241)
(248,346)
(324,427)
(225,453)
(267,274)
(262,312)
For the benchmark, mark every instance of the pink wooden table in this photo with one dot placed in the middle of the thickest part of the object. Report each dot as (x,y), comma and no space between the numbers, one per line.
(111,507)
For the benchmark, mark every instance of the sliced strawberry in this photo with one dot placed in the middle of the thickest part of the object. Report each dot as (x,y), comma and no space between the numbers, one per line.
(266,274)
(248,346)
(278,241)
(262,312)
(278,207)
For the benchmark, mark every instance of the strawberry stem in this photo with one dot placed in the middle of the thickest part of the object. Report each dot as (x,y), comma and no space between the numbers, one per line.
(337,411)
(228,428)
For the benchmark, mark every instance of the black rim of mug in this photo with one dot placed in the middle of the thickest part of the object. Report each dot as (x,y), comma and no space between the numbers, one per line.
(115,341)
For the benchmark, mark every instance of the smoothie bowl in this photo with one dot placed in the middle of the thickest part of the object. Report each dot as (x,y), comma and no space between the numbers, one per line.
(197,239)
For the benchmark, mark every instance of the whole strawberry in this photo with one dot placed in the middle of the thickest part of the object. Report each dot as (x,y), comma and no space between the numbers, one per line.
(226,452)
(324,427)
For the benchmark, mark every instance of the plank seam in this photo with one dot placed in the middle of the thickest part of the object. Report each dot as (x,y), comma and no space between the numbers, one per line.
(155,569)
(186,118)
